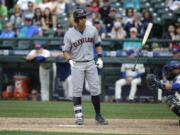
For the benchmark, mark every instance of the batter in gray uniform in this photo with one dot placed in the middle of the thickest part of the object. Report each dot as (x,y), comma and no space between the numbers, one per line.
(79,43)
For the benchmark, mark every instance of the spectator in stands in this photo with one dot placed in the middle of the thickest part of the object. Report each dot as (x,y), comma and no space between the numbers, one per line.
(37,19)
(128,20)
(16,18)
(173,4)
(100,28)
(3,14)
(135,45)
(59,31)
(104,10)
(8,31)
(147,17)
(53,6)
(94,7)
(129,77)
(82,2)
(118,31)
(175,45)
(23,4)
(109,21)
(39,54)
(135,4)
(30,9)
(45,4)
(169,34)
(63,7)
(138,24)
(49,20)
(28,30)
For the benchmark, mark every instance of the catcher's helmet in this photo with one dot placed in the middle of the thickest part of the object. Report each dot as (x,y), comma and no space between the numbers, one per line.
(170,66)
(79,13)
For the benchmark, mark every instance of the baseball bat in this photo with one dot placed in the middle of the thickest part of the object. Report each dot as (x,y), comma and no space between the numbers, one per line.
(146,35)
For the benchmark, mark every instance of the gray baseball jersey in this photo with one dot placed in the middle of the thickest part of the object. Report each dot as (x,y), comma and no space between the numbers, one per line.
(81,45)
(81,48)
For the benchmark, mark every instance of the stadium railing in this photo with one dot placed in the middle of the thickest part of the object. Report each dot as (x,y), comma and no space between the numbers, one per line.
(13,51)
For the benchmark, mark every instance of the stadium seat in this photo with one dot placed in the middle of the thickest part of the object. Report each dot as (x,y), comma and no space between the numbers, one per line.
(8,44)
(55,44)
(108,44)
(168,16)
(160,5)
(157,20)
(48,33)
(24,44)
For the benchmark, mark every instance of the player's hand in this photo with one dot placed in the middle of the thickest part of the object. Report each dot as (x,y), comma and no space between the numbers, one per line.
(71,62)
(99,63)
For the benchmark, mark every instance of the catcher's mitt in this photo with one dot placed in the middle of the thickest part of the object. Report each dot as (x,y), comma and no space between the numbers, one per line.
(153,82)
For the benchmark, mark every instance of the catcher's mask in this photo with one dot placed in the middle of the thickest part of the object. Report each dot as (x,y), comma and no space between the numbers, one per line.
(168,68)
(78,14)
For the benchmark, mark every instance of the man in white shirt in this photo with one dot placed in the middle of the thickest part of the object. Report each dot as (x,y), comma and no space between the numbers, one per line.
(39,54)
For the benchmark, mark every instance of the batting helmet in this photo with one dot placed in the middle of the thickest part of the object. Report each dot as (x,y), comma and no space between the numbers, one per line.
(79,13)
(169,67)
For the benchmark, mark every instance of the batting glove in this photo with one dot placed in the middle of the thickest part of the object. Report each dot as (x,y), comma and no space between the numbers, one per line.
(99,63)
(71,62)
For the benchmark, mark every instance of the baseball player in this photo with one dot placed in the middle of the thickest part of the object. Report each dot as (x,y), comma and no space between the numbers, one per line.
(172,73)
(79,43)
(40,54)
(130,77)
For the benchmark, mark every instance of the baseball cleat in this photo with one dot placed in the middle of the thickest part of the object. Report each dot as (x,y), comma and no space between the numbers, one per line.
(100,120)
(79,121)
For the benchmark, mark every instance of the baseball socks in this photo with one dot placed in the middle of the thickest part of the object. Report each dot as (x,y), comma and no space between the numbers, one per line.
(78,111)
(96,103)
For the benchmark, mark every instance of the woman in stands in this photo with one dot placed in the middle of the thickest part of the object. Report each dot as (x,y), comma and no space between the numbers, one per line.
(16,18)
(37,19)
(48,20)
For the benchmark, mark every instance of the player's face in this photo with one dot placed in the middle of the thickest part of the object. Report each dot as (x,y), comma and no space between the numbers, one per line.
(82,21)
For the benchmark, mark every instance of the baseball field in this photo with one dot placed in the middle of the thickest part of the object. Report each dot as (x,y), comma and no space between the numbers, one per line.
(56,118)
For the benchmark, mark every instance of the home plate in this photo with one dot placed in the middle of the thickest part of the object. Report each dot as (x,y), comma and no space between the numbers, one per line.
(69,126)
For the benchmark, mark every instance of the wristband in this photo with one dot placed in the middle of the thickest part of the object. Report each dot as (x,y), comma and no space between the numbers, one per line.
(99,55)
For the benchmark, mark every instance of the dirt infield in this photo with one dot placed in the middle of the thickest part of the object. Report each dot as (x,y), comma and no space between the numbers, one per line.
(116,126)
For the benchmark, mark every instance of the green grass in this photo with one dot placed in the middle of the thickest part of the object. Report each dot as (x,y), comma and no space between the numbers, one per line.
(65,110)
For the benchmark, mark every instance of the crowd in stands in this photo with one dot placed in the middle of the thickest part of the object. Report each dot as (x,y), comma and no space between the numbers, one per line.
(114,19)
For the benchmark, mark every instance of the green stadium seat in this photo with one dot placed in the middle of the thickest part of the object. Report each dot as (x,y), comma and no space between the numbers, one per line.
(48,33)
(168,16)
(154,2)
(160,5)
(108,44)
(157,20)
(24,45)
(8,44)
(55,44)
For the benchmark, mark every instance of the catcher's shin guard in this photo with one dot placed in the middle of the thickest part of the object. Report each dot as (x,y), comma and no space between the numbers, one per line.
(174,104)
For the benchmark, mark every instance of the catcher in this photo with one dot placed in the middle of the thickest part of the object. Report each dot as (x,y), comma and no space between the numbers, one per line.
(172,73)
